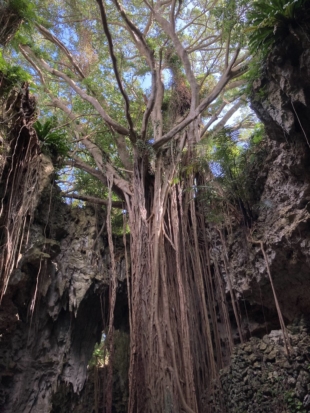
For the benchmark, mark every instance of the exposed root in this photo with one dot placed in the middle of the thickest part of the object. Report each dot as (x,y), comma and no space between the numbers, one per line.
(112,300)
(286,338)
(177,293)
(21,177)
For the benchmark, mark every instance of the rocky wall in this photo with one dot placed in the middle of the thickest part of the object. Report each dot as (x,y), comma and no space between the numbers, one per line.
(91,398)
(56,305)
(263,378)
(281,99)
(260,376)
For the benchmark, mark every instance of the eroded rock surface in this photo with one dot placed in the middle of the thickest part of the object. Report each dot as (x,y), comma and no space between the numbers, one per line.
(92,397)
(262,378)
(63,276)
(282,100)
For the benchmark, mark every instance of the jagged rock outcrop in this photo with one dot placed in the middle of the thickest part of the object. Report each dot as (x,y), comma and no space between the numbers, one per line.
(55,271)
(261,377)
(92,397)
(63,275)
(281,98)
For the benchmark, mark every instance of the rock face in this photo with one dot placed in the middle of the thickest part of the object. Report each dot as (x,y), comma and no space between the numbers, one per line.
(91,398)
(283,222)
(63,278)
(261,378)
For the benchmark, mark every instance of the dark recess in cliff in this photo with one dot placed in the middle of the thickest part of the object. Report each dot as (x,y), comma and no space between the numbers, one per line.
(54,345)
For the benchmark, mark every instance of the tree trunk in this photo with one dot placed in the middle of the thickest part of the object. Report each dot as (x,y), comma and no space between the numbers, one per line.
(173,320)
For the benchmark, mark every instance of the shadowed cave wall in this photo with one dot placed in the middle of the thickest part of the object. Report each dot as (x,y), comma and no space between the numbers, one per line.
(53,345)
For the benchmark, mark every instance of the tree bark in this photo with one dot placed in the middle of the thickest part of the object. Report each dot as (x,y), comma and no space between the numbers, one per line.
(170,304)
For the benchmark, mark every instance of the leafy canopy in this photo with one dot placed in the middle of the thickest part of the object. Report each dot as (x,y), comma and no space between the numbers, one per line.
(169,57)
(235,161)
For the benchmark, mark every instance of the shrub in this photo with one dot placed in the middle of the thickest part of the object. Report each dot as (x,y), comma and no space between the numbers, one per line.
(271,20)
(54,141)
(11,76)
(12,14)
(234,163)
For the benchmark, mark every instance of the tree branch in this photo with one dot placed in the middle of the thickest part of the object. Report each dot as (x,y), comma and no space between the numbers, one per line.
(104,166)
(191,22)
(172,14)
(142,46)
(236,83)
(213,118)
(182,53)
(132,133)
(202,44)
(157,117)
(94,200)
(227,116)
(119,141)
(149,25)
(49,36)
(78,163)
(225,78)
(93,101)
(123,152)
(120,185)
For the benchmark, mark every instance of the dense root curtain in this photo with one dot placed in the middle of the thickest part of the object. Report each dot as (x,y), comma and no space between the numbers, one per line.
(177,297)
(21,183)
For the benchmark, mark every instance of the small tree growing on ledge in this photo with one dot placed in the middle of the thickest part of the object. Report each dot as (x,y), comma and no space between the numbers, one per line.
(90,65)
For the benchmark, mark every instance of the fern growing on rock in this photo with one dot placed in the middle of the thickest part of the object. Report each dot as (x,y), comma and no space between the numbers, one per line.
(273,20)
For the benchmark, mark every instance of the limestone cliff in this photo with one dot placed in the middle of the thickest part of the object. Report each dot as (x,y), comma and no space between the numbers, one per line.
(64,276)
(261,377)
(284,220)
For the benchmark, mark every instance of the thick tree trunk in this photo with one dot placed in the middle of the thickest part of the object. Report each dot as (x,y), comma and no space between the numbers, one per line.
(174,332)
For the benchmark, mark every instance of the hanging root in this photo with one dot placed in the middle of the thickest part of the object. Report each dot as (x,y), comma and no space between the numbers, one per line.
(229,282)
(20,185)
(286,339)
(113,289)
(176,294)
